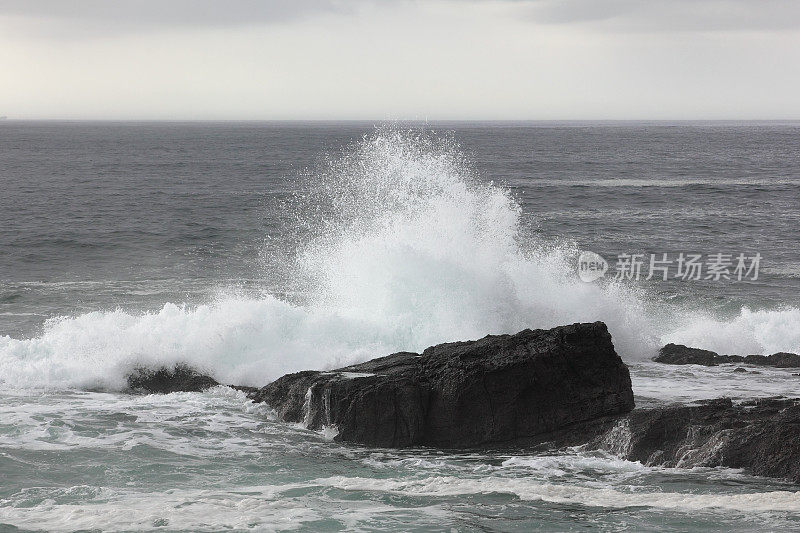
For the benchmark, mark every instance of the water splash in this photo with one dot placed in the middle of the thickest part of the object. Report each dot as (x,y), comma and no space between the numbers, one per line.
(401,246)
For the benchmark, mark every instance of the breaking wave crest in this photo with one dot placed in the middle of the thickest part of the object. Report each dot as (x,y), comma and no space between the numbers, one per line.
(400,246)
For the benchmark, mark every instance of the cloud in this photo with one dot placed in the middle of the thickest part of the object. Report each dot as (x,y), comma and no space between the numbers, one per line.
(109,16)
(668,15)
(373,59)
(74,18)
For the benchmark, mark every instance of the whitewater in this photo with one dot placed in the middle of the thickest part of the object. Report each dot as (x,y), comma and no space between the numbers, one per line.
(251,250)
(399,245)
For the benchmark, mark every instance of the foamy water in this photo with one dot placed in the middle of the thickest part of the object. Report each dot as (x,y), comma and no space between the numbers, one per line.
(213,460)
(405,247)
(395,244)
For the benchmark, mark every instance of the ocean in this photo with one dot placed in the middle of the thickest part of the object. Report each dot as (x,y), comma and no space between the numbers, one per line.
(249,250)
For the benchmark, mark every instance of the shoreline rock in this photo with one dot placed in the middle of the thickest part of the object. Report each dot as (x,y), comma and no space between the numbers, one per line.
(760,436)
(678,354)
(163,380)
(179,378)
(463,394)
(535,390)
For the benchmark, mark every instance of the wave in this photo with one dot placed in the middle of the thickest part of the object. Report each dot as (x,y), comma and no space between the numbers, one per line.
(261,507)
(750,332)
(526,489)
(399,245)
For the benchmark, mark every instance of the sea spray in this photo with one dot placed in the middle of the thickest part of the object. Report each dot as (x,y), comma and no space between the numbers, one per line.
(750,332)
(399,245)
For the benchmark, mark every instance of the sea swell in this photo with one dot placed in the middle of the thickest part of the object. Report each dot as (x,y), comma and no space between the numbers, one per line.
(397,245)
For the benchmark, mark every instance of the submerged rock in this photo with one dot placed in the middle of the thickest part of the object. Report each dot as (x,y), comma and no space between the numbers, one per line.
(678,354)
(464,394)
(180,378)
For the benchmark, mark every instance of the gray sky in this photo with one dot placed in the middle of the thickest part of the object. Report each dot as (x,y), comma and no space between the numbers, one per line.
(396,59)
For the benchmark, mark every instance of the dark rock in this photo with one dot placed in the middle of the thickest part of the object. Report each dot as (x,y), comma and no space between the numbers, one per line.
(778,360)
(678,354)
(464,394)
(180,378)
(759,436)
(249,391)
(742,370)
(730,359)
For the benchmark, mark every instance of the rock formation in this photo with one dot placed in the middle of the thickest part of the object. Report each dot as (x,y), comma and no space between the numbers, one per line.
(464,394)
(761,436)
(165,380)
(535,389)
(678,354)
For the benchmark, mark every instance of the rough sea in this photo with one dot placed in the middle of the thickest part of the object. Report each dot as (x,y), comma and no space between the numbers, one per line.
(250,250)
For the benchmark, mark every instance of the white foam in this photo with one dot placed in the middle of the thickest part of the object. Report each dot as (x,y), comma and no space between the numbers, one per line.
(406,249)
(191,510)
(658,383)
(751,332)
(58,422)
(354,375)
(571,493)
(271,507)
(242,341)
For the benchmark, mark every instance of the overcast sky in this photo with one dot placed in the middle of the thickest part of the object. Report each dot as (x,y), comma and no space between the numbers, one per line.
(397,59)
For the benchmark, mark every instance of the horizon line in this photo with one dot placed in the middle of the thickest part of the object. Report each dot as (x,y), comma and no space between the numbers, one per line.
(7,119)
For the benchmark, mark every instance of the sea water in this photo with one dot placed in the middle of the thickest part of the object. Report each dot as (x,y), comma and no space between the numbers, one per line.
(250,250)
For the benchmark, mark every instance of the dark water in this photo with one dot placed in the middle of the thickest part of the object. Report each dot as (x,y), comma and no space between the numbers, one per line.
(254,249)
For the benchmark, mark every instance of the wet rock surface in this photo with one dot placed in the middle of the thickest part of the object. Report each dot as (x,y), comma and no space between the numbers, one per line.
(760,436)
(536,390)
(678,354)
(463,394)
(180,378)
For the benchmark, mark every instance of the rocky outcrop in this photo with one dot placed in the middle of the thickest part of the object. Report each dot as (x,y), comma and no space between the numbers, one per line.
(778,360)
(180,378)
(540,389)
(760,436)
(464,394)
(678,354)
